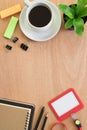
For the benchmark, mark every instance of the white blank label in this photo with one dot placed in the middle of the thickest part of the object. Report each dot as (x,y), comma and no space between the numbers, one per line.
(65,103)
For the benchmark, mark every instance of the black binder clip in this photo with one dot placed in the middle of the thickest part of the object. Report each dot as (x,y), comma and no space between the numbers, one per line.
(8,47)
(15,39)
(24,47)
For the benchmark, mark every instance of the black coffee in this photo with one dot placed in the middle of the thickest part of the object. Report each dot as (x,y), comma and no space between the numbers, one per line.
(40,16)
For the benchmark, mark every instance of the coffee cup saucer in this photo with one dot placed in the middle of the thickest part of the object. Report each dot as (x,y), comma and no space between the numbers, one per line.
(40,36)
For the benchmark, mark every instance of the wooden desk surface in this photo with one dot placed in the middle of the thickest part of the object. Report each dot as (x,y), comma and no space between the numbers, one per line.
(45,70)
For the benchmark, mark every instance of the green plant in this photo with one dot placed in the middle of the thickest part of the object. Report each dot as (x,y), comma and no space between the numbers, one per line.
(75,15)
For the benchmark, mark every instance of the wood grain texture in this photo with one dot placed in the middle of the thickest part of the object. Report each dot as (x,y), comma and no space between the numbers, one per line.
(45,70)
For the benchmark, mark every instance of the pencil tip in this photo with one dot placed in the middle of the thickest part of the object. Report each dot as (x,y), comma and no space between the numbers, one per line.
(43,107)
(47,114)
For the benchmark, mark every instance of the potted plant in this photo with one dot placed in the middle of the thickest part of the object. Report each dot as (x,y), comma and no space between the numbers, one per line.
(75,15)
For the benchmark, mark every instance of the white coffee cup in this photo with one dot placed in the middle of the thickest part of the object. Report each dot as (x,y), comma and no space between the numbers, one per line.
(31,6)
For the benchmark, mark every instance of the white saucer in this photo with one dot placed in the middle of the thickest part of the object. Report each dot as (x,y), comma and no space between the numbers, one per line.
(42,36)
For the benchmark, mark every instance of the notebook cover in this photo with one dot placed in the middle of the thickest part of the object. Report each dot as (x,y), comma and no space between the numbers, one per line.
(16,115)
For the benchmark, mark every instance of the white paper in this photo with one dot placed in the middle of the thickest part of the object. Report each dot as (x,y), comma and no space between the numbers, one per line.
(65,103)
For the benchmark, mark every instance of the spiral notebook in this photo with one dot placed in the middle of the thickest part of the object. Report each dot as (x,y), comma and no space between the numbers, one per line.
(16,115)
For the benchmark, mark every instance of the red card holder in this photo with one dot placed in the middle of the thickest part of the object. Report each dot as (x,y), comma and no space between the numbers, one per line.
(66,104)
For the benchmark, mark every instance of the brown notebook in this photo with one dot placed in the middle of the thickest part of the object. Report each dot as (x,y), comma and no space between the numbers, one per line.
(16,115)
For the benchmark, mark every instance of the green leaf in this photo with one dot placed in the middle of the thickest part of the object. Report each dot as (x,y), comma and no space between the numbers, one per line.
(79,9)
(78,24)
(83,12)
(73,6)
(66,10)
(69,23)
(80,5)
(85,2)
(82,2)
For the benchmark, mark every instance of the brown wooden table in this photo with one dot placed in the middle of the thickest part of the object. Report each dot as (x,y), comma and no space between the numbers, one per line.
(45,70)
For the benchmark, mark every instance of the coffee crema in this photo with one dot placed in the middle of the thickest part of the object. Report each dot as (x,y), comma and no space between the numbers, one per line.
(39,16)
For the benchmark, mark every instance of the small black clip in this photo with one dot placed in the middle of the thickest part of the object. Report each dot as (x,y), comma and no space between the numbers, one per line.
(24,47)
(15,39)
(8,47)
